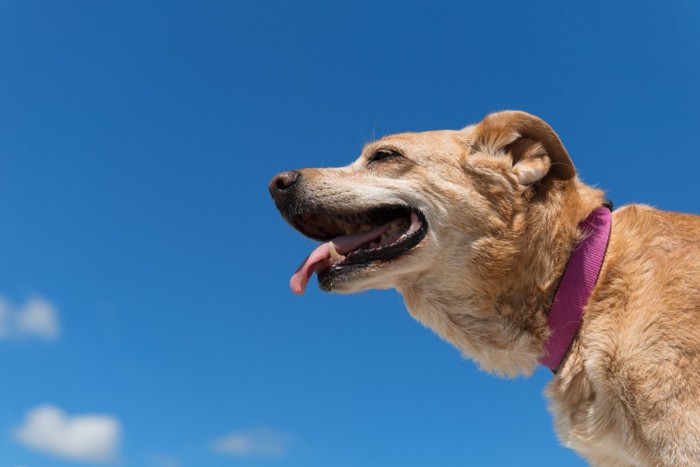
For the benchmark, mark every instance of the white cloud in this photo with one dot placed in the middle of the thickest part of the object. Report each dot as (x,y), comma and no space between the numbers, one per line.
(261,442)
(37,318)
(92,438)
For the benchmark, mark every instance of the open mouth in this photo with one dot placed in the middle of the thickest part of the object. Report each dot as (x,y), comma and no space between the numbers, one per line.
(356,239)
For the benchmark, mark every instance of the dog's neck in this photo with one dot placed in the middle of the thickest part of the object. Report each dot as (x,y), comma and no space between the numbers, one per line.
(497,315)
(576,286)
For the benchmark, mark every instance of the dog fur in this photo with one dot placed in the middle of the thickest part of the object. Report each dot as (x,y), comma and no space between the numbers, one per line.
(503,204)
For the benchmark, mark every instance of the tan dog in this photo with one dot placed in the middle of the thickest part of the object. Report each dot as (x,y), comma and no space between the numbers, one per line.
(475,228)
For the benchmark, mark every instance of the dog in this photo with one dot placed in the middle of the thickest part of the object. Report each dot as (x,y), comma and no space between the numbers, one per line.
(478,230)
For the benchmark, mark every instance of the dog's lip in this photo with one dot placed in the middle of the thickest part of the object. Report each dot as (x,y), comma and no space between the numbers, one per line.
(356,249)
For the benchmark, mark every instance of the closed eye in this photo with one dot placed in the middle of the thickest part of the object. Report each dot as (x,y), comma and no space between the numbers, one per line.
(384,154)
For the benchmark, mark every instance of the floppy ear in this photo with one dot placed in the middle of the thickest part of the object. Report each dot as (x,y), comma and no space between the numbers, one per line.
(535,148)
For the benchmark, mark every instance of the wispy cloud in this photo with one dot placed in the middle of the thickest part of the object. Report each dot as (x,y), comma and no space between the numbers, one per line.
(36,318)
(259,442)
(91,438)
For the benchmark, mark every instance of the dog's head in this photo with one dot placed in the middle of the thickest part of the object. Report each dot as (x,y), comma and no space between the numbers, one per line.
(473,227)
(417,204)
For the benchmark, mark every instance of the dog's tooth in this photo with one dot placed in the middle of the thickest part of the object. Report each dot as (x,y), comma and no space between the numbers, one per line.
(334,253)
(373,244)
(347,228)
(365,228)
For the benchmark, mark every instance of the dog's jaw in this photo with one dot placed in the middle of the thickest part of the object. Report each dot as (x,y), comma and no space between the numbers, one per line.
(385,274)
(353,279)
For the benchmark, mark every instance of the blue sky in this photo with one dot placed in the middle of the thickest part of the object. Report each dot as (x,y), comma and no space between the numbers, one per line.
(144,271)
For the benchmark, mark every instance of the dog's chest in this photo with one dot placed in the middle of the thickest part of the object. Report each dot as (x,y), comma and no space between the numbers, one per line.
(594,429)
(605,450)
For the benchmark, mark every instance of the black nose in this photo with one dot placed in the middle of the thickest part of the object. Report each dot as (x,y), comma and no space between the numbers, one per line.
(281,184)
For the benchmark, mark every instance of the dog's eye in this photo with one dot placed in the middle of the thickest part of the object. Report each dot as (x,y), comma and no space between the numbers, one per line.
(383,154)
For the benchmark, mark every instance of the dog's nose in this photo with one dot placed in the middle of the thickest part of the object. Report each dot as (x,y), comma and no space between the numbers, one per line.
(282,182)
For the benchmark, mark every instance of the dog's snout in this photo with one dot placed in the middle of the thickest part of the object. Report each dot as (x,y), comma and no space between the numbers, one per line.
(281,183)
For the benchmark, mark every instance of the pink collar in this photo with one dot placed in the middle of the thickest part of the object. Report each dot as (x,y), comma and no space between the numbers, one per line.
(576,286)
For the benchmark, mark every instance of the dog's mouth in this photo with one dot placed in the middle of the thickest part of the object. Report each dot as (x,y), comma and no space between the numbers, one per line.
(353,240)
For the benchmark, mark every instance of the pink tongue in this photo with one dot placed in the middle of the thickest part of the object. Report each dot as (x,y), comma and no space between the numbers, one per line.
(343,245)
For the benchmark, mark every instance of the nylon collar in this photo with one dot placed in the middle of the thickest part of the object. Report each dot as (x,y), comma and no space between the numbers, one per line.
(576,286)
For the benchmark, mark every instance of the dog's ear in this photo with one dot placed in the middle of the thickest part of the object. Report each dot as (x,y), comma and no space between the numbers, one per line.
(535,148)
